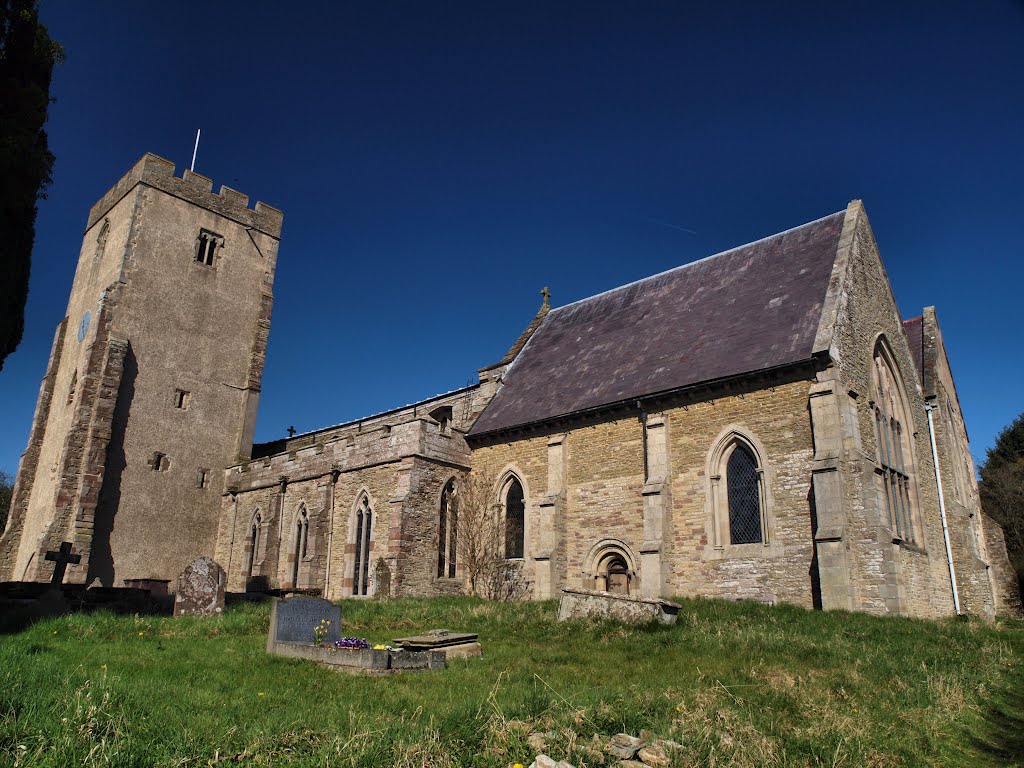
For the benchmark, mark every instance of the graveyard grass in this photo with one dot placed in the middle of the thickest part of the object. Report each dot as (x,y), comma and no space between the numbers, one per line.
(735,684)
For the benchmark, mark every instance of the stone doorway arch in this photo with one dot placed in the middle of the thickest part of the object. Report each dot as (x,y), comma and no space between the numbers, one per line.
(611,567)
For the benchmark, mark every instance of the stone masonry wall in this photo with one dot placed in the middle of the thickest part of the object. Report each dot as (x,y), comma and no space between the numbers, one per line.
(99,266)
(27,467)
(196,329)
(885,576)
(605,494)
(399,460)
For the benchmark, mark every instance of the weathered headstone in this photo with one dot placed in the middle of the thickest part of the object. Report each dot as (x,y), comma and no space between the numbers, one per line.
(382,580)
(295,619)
(201,589)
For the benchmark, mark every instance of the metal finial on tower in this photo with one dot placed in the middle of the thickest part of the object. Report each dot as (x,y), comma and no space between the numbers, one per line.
(547,296)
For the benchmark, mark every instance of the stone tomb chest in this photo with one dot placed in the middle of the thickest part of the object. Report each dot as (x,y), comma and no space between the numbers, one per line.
(588,603)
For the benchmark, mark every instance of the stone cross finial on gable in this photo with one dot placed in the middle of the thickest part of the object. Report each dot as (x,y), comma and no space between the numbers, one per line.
(546,294)
(291,431)
(61,558)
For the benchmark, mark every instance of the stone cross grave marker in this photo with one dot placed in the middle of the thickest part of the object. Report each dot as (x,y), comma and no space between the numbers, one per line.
(201,589)
(61,558)
(294,619)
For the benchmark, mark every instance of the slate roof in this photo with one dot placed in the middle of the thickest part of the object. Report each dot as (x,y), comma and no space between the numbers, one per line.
(747,309)
(914,330)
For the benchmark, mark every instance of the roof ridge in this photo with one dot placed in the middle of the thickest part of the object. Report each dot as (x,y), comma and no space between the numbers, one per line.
(694,263)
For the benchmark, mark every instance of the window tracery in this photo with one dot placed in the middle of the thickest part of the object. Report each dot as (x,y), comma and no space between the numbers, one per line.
(893,445)
(361,563)
(448,532)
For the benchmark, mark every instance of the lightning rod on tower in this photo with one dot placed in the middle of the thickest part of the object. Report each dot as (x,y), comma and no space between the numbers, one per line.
(195,149)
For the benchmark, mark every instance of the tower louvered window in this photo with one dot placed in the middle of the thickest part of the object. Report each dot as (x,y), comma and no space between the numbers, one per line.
(206,247)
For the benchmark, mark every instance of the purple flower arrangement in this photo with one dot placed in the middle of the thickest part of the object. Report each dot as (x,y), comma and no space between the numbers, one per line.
(351,643)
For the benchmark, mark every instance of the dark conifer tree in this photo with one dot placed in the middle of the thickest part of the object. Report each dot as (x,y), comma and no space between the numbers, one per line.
(27,56)
(1002,489)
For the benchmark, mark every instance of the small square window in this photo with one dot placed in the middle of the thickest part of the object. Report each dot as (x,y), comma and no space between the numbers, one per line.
(159,462)
(206,247)
(443,417)
(181,398)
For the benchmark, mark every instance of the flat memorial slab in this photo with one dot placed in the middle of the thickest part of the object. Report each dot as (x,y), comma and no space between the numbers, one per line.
(452,644)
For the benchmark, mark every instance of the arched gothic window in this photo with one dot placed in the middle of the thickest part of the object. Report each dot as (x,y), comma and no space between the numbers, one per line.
(893,445)
(361,566)
(515,520)
(447,533)
(738,495)
(301,543)
(255,536)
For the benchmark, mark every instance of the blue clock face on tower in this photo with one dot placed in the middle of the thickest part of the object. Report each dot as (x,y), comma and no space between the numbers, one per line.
(83,327)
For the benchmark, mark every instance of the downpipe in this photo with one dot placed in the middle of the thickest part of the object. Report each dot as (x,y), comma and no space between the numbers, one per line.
(942,508)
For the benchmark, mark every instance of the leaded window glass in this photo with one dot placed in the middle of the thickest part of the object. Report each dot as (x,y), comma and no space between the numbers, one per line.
(515,520)
(743,482)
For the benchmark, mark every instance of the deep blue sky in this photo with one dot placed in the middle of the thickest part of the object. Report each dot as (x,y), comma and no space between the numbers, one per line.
(438,163)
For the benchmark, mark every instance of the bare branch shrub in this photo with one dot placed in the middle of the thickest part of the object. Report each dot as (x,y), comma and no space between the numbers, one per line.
(481,542)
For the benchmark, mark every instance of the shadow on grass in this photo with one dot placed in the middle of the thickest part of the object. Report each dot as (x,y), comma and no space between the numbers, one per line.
(1002,736)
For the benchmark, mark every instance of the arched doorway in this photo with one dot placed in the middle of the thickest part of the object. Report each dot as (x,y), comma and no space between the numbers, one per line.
(612,567)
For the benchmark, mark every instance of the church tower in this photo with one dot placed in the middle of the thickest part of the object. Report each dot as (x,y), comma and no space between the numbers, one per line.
(152,384)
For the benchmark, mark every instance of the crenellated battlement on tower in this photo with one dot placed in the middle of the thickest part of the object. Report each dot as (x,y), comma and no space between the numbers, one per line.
(158,173)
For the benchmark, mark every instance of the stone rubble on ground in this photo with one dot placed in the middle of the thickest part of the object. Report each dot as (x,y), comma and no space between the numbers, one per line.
(624,746)
(633,752)
(543,761)
(654,755)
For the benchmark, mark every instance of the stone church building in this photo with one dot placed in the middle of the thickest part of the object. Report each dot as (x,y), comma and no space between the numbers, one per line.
(760,424)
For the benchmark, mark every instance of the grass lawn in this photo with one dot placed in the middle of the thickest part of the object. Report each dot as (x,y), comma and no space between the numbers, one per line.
(735,684)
